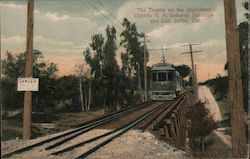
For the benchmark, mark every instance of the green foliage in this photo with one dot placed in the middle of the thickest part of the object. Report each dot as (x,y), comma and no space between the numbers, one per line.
(246,6)
(94,59)
(243,29)
(201,122)
(110,67)
(134,54)
(184,70)
(133,57)
(66,94)
(108,77)
(243,35)
(103,64)
(220,85)
(13,68)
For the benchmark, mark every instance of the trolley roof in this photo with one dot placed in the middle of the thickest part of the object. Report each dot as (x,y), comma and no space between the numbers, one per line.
(162,67)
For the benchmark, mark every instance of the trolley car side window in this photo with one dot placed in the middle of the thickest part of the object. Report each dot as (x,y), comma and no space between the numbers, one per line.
(162,77)
(170,76)
(154,77)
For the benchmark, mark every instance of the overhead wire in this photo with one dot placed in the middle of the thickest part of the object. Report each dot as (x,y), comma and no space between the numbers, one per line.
(105,16)
(152,46)
(110,13)
(114,19)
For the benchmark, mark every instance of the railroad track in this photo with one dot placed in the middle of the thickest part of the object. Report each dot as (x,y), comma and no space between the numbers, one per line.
(126,127)
(82,128)
(103,138)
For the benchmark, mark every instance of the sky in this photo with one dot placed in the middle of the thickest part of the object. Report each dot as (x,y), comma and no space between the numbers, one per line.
(63,29)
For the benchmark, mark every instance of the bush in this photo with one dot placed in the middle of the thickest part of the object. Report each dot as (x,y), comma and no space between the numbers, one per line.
(201,124)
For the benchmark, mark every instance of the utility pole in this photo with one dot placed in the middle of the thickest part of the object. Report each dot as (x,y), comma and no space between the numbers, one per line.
(28,72)
(238,125)
(145,70)
(194,81)
(191,54)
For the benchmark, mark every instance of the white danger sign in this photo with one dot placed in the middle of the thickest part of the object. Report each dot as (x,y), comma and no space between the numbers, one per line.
(27,84)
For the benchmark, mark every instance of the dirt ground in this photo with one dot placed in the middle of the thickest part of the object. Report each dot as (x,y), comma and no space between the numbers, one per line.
(134,144)
(131,145)
(12,127)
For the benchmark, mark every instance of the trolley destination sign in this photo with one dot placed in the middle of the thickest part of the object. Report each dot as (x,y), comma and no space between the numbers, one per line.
(27,84)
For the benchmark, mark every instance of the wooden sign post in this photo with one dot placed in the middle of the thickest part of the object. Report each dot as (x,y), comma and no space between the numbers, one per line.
(27,109)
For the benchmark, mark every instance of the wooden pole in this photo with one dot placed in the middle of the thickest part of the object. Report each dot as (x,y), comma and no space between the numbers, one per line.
(238,129)
(194,82)
(28,72)
(191,55)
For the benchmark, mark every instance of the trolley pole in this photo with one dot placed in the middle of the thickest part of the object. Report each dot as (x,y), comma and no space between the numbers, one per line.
(238,125)
(28,72)
(145,70)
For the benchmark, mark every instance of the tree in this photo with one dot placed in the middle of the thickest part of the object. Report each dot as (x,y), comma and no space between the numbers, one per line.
(85,82)
(133,58)
(13,68)
(13,65)
(201,123)
(110,69)
(243,29)
(65,94)
(95,61)
(184,70)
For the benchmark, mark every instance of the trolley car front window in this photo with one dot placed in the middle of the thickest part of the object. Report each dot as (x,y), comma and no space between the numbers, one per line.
(162,77)
(170,76)
(154,77)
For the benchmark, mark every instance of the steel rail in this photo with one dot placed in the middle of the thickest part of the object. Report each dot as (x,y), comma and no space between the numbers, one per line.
(105,120)
(89,124)
(128,127)
(165,112)
(88,141)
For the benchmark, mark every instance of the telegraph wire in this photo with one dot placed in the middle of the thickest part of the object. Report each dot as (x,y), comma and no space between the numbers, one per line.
(110,12)
(104,15)
(152,46)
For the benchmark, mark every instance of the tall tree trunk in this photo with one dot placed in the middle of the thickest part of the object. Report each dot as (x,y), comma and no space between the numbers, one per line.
(139,90)
(118,107)
(81,93)
(202,144)
(131,93)
(86,100)
(105,107)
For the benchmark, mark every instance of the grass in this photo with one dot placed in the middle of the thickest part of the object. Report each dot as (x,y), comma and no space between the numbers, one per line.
(69,120)
(12,127)
(214,148)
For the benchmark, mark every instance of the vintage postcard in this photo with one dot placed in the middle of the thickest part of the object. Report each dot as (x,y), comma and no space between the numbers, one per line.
(124,79)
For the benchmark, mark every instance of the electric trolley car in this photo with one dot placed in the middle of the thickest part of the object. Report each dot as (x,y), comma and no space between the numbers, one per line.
(166,83)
